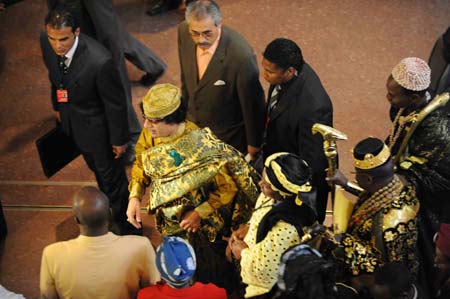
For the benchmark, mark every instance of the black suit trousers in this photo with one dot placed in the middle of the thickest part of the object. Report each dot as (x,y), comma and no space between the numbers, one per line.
(112,180)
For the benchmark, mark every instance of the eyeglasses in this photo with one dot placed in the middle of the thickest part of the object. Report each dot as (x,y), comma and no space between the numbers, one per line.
(152,120)
(205,34)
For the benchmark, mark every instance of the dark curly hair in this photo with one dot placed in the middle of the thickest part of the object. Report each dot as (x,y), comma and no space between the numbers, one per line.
(284,53)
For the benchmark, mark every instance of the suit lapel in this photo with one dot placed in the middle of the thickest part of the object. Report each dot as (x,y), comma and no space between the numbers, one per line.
(77,63)
(287,97)
(191,72)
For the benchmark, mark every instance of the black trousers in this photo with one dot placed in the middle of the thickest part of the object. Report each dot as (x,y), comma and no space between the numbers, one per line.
(112,180)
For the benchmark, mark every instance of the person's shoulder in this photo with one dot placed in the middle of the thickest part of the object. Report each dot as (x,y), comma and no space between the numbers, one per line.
(404,209)
(309,72)
(153,291)
(209,290)
(236,43)
(312,86)
(183,26)
(58,247)
(183,30)
(436,119)
(97,52)
(191,126)
(135,240)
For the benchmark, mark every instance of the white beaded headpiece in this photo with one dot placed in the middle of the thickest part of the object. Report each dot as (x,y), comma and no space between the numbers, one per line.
(412,73)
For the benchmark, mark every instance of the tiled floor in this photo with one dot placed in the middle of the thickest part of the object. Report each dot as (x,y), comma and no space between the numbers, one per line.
(352,44)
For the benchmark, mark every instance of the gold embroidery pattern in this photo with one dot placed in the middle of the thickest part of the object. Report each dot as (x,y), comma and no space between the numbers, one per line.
(399,210)
(202,157)
(360,257)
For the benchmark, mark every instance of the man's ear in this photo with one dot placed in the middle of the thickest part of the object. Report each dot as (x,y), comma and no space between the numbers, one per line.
(290,72)
(77,31)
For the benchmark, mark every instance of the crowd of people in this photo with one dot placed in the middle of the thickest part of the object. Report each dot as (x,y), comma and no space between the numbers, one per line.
(237,181)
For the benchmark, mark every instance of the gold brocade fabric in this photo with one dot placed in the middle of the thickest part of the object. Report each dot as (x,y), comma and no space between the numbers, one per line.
(389,235)
(186,172)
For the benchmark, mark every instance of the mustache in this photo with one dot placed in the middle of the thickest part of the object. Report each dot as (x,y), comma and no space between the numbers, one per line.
(203,44)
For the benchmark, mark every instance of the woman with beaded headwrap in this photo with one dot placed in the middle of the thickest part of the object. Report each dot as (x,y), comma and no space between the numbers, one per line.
(282,210)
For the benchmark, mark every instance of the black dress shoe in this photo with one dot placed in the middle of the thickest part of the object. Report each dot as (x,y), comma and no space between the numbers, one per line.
(148,79)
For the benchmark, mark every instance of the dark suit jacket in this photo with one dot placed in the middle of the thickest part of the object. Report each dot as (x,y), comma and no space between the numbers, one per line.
(437,64)
(96,114)
(302,102)
(229,98)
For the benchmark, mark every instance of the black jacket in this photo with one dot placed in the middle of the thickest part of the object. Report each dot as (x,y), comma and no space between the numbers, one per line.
(96,114)
(302,102)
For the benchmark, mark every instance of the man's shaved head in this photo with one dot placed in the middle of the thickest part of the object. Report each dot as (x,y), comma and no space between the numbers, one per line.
(91,207)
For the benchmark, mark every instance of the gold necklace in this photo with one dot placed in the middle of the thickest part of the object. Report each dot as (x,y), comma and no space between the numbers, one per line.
(377,201)
(398,125)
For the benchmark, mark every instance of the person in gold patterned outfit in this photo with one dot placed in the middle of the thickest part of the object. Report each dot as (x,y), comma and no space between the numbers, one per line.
(200,187)
(383,224)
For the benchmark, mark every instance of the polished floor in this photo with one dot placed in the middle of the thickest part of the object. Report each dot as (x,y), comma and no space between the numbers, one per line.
(352,45)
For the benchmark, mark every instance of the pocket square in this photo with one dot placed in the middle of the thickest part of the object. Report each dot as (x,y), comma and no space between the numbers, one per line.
(219,83)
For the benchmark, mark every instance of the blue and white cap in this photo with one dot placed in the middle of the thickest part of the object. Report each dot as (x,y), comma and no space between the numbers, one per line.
(176,262)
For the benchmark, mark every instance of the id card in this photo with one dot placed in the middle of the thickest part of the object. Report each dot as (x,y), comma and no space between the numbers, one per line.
(62,96)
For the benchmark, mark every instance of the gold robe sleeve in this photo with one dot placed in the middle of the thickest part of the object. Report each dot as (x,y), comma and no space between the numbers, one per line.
(139,181)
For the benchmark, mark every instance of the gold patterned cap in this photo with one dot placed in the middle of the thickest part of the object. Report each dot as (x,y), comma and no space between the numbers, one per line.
(275,175)
(370,153)
(412,73)
(161,100)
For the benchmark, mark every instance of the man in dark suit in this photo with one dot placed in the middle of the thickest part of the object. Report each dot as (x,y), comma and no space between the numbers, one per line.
(90,104)
(296,101)
(439,63)
(99,20)
(220,78)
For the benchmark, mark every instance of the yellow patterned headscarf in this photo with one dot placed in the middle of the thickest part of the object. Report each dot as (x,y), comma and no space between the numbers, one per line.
(161,100)
(279,178)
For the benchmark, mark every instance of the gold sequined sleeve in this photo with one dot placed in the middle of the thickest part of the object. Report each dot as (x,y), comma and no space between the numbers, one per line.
(400,231)
(359,256)
(223,194)
(259,262)
(139,181)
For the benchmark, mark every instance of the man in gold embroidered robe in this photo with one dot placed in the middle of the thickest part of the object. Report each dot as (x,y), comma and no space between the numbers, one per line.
(383,224)
(200,187)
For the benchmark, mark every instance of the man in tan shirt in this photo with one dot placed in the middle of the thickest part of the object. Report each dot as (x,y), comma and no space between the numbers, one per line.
(98,263)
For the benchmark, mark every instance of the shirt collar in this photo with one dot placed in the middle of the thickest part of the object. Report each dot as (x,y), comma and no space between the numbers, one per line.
(71,52)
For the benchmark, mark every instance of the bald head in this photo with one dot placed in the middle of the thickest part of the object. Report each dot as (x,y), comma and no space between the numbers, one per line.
(91,207)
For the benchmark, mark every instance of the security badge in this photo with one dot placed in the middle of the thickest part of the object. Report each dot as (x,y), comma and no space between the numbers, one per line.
(62,96)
